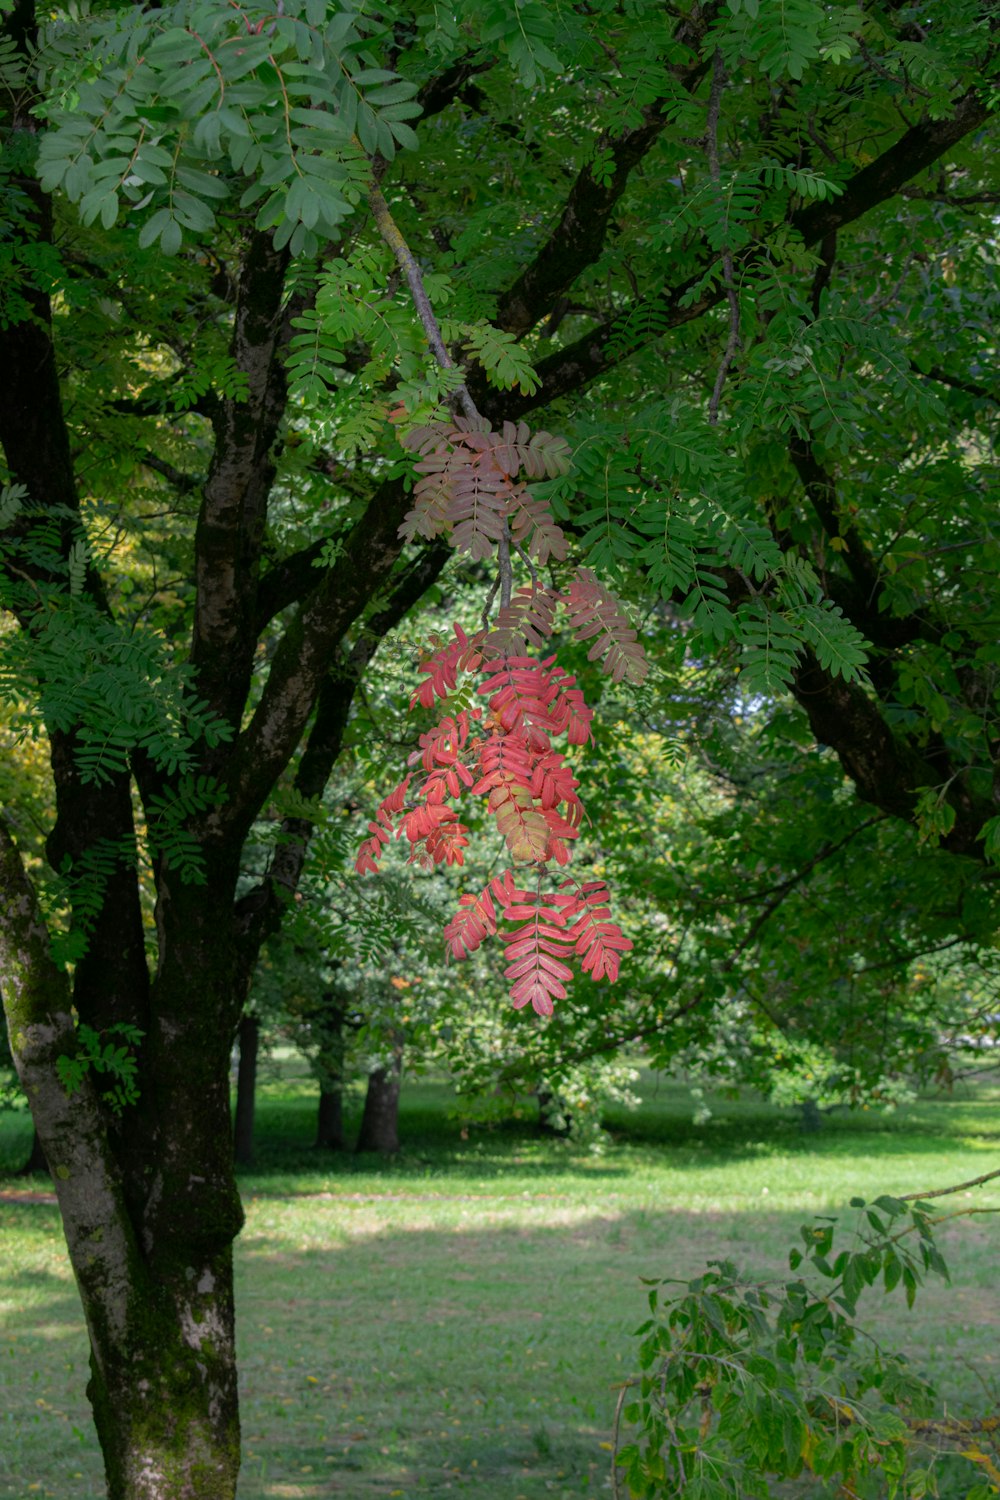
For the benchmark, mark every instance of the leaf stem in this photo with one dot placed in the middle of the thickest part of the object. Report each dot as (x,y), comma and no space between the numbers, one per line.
(391,234)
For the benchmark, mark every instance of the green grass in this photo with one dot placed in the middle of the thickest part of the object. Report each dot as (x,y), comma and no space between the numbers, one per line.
(454,1321)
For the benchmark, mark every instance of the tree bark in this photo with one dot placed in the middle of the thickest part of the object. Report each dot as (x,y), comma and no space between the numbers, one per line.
(380,1120)
(154,1270)
(330,1119)
(246,1090)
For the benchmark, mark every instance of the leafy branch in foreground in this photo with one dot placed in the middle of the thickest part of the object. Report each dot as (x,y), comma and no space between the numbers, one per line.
(746,1383)
(115,1061)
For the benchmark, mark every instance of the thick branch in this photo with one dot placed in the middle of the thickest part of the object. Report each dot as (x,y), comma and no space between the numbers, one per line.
(821,489)
(444,88)
(259,912)
(574,367)
(577,241)
(287,582)
(183,483)
(231,522)
(918,148)
(308,649)
(956,382)
(886,771)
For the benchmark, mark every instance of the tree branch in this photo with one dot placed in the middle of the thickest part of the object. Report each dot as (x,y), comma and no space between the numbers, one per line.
(728,273)
(390,233)
(287,582)
(885,769)
(258,913)
(234,506)
(308,648)
(574,367)
(578,239)
(183,483)
(918,148)
(444,88)
(970,387)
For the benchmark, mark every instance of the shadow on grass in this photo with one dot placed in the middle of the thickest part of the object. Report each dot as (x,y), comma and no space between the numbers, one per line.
(381,1357)
(482,1359)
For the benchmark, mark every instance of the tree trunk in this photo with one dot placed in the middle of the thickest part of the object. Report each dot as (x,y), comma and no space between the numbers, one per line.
(330,1021)
(164,1393)
(330,1119)
(148,1200)
(36,1159)
(380,1121)
(246,1089)
(551,1118)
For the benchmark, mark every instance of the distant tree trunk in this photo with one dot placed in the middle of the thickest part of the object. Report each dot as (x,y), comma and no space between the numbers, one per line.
(36,1161)
(330,1066)
(330,1119)
(380,1121)
(246,1088)
(551,1119)
(811,1118)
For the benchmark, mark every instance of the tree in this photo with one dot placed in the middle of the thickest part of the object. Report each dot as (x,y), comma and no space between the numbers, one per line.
(788,936)
(696,254)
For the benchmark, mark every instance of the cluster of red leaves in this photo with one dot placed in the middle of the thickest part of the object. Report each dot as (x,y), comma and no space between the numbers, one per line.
(502,751)
(469,487)
(574,920)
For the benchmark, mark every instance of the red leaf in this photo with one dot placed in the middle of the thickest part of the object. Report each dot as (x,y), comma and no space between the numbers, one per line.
(595,612)
(443,667)
(475,920)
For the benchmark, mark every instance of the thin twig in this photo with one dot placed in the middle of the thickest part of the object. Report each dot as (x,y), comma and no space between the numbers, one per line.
(532,570)
(876,304)
(485,616)
(889,76)
(615,1435)
(958,1188)
(391,234)
(505,570)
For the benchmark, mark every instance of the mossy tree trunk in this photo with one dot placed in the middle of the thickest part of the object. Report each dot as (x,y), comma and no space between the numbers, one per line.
(149,1231)
(148,1196)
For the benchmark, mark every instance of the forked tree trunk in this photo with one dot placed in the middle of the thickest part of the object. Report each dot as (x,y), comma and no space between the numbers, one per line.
(246,1090)
(380,1120)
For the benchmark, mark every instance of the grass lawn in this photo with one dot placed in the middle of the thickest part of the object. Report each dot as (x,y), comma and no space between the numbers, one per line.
(455,1320)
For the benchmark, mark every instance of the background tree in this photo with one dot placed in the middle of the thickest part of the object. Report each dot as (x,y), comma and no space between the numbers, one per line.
(205,331)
